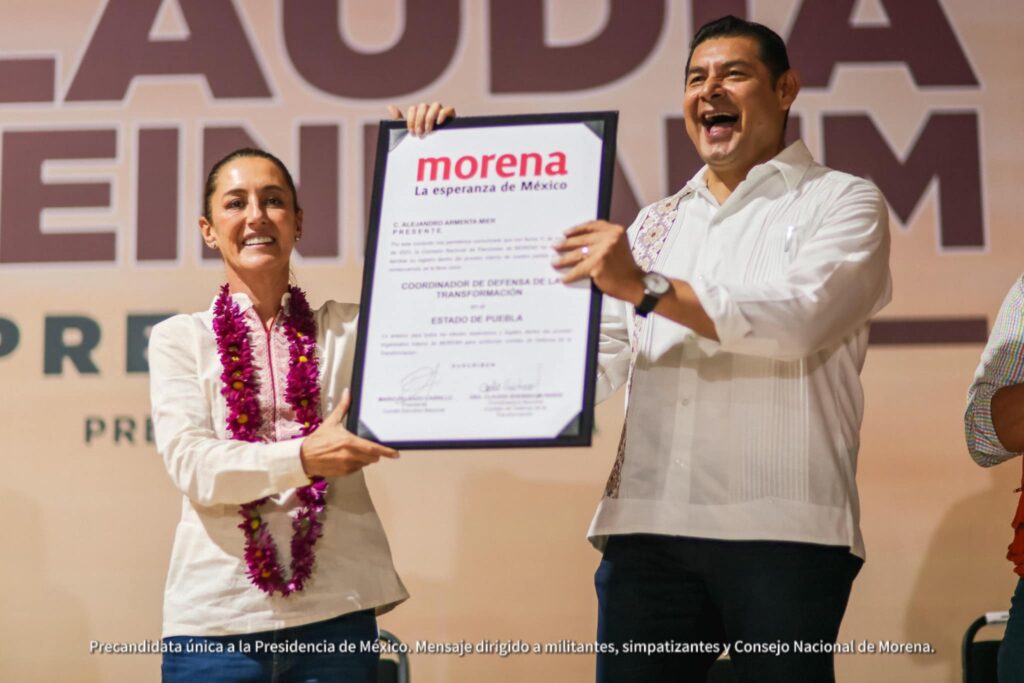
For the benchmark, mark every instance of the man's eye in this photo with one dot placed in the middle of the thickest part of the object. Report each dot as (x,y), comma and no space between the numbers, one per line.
(696,80)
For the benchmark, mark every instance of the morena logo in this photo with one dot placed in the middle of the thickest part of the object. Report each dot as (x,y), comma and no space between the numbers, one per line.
(471,167)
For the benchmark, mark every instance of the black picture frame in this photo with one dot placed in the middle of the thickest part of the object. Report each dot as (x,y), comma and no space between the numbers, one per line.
(579,431)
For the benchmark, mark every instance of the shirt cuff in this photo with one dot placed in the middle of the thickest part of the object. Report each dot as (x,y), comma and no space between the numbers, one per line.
(730,324)
(982,439)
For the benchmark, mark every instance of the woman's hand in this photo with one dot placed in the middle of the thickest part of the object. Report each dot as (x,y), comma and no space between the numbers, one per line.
(421,118)
(333,451)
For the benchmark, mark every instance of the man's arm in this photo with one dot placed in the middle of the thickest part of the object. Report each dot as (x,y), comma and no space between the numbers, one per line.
(836,282)
(994,420)
(1008,417)
(609,262)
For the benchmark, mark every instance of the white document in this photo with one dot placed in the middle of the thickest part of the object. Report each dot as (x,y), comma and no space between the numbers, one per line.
(470,337)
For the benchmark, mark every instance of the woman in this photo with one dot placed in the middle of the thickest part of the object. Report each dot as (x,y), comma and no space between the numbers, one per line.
(279,559)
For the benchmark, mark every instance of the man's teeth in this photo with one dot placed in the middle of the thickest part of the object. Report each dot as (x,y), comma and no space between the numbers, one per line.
(252,241)
(712,119)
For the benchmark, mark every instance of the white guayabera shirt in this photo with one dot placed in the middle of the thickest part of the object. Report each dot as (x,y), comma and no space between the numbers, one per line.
(753,437)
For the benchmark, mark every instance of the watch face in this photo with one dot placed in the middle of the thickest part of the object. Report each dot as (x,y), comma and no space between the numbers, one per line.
(656,283)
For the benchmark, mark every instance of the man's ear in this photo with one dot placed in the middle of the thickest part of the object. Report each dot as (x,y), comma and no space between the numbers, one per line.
(787,87)
(206,229)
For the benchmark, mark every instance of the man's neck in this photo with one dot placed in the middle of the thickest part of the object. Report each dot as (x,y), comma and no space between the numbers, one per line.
(721,187)
(723,181)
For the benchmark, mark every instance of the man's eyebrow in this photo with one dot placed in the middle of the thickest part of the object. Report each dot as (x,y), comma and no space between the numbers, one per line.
(737,62)
(725,65)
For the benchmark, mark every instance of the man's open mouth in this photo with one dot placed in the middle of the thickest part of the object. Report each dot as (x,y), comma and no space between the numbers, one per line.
(718,122)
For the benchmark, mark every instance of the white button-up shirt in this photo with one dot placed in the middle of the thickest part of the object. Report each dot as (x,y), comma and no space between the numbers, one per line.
(208,592)
(755,436)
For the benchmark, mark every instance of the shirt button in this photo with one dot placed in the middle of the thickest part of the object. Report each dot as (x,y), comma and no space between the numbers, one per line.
(684,401)
(679,463)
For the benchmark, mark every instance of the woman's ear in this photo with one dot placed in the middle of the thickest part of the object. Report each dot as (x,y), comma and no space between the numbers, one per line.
(206,229)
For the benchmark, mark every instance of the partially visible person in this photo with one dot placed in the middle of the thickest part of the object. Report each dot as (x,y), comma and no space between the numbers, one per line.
(994,425)
(279,559)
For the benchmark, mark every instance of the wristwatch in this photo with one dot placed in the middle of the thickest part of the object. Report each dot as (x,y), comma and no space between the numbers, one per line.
(655,286)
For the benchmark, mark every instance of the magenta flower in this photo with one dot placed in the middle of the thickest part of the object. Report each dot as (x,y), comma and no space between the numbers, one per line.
(302,392)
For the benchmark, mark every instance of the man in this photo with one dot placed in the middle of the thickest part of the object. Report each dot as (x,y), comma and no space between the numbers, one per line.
(994,426)
(739,321)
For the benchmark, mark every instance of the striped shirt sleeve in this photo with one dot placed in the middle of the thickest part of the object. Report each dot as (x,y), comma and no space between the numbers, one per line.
(1002,364)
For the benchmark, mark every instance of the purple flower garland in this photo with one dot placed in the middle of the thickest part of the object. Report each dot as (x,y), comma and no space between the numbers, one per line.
(302,393)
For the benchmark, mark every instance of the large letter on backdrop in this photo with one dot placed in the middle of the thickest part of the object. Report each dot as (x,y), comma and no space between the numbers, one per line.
(322,57)
(9,336)
(946,149)
(27,79)
(157,191)
(918,34)
(522,61)
(121,49)
(57,347)
(22,239)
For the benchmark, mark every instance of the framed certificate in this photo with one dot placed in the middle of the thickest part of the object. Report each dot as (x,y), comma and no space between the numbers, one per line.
(467,336)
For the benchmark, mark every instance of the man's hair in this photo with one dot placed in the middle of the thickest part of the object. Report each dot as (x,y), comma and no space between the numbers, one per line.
(771,48)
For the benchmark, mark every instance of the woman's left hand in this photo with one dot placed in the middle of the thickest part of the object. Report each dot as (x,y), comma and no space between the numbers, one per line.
(421,118)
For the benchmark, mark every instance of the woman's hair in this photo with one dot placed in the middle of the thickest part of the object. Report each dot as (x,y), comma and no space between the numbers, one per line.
(211,179)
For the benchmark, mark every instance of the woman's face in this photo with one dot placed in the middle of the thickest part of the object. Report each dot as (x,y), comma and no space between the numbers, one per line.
(253,221)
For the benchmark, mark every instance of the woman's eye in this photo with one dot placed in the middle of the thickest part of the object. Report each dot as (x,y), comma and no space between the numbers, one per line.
(235,204)
(274,201)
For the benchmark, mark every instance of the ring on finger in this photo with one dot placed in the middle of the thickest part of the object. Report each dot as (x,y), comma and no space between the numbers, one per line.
(584,250)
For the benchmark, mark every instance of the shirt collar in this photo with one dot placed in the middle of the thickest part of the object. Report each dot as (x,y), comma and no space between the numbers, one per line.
(245,303)
(792,163)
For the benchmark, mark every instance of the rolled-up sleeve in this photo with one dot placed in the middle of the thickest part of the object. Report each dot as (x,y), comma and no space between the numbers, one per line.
(208,469)
(613,350)
(836,282)
(1002,364)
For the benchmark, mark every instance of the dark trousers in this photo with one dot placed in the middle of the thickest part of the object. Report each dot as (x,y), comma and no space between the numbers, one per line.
(1011,652)
(669,606)
(267,657)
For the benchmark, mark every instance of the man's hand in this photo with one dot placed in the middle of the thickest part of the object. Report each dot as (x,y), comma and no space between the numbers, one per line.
(599,250)
(421,118)
(333,451)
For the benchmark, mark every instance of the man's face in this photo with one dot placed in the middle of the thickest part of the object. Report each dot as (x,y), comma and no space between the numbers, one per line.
(734,115)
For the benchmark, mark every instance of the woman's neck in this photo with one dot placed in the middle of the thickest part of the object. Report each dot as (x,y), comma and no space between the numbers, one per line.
(264,292)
